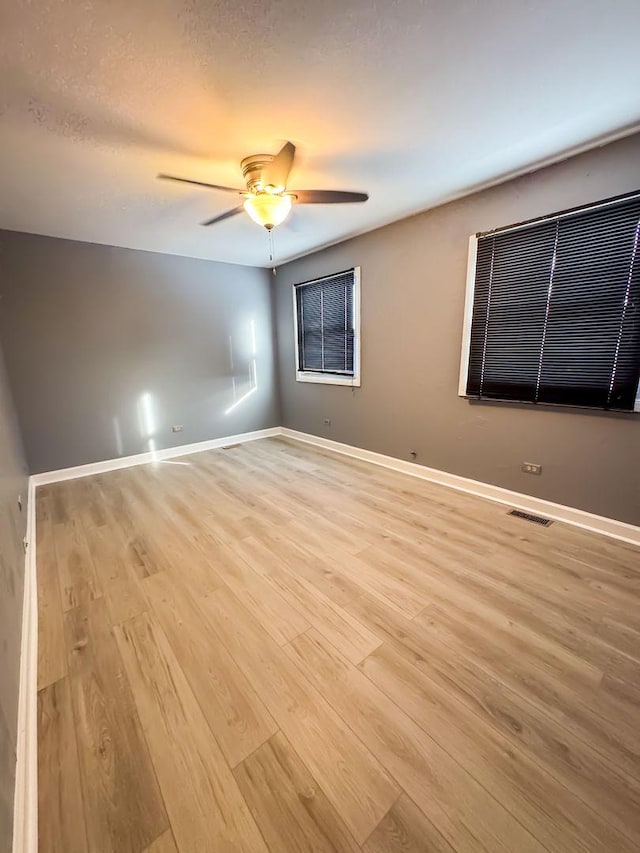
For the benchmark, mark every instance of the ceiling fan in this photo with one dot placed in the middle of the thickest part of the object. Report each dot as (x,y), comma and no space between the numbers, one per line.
(266,198)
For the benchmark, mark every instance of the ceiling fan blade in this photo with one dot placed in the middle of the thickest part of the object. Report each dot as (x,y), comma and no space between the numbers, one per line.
(328,197)
(277,171)
(224,216)
(198,183)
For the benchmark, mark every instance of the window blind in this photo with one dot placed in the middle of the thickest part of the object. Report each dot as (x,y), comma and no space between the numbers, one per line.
(325,324)
(556,310)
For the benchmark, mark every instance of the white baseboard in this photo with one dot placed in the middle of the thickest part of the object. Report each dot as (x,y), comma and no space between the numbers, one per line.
(25,812)
(151,456)
(558,512)
(25,821)
(25,839)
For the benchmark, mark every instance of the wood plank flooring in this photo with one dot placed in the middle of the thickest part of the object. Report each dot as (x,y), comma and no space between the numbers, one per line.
(276,648)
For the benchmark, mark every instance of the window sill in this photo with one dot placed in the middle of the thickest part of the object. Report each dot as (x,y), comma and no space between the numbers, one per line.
(327,379)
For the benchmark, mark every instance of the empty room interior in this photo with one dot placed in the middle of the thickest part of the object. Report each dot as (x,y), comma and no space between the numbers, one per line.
(320,426)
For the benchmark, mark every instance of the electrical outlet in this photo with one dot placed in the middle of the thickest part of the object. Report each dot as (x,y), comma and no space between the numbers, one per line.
(327,421)
(531,468)
(177,428)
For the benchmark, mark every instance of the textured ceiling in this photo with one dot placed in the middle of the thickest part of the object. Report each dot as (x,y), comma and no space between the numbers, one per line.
(414,101)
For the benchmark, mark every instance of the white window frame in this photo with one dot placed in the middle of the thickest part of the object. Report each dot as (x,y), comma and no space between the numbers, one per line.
(468,315)
(331,378)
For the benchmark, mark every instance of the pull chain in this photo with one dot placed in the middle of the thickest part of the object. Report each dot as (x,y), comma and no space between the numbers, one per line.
(272,252)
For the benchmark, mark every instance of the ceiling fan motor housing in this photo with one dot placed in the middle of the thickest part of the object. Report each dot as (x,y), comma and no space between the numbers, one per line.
(252,168)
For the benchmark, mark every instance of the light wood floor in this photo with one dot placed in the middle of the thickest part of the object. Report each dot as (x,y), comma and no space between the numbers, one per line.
(273,648)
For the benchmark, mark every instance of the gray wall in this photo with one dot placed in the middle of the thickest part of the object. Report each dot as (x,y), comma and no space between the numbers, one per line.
(106,348)
(413,288)
(13,483)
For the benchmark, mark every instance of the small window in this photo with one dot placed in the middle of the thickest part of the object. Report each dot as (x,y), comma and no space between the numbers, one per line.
(327,329)
(553,310)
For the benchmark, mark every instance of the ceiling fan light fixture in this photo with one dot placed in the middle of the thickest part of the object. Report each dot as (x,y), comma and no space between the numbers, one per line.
(266,199)
(267,209)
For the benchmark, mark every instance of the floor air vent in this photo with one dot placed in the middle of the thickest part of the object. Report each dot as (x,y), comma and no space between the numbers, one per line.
(230,446)
(535,519)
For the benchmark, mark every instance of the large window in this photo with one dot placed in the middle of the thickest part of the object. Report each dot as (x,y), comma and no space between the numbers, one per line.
(327,329)
(553,310)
